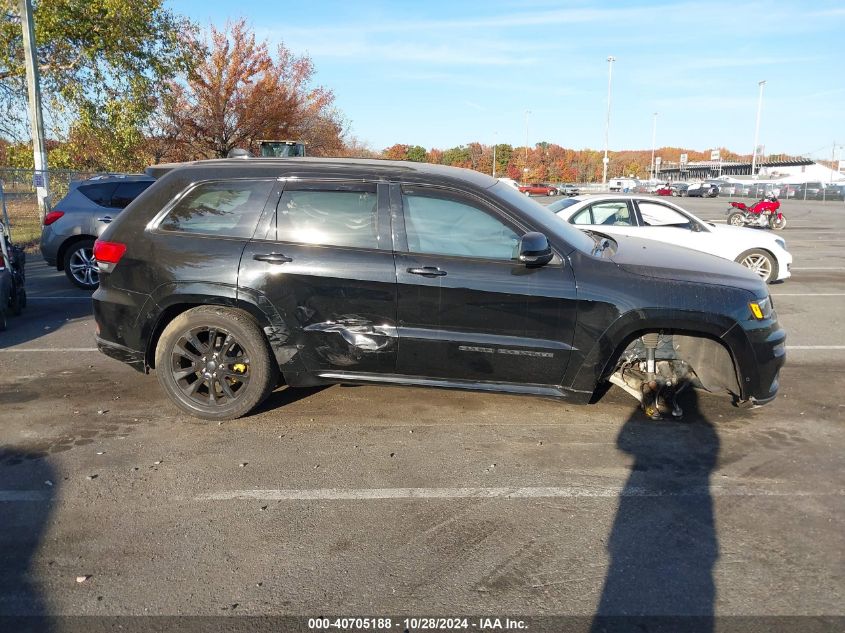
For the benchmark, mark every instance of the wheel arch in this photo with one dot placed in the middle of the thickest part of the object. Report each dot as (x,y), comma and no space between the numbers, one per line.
(600,361)
(164,313)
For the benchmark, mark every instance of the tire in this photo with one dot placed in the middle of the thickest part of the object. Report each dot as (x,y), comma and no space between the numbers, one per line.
(80,265)
(761,262)
(527,193)
(238,350)
(736,219)
(553,192)
(776,224)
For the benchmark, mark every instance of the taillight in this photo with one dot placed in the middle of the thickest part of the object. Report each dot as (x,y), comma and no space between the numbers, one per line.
(52,217)
(108,252)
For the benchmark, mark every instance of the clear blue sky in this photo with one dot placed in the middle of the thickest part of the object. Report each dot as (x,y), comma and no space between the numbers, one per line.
(440,74)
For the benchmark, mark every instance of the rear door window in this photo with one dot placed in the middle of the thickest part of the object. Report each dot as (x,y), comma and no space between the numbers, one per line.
(226,208)
(329,215)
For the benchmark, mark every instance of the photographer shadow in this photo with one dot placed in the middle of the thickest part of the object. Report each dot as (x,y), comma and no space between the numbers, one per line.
(663,543)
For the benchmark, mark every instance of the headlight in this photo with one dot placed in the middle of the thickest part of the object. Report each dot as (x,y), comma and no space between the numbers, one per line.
(761,309)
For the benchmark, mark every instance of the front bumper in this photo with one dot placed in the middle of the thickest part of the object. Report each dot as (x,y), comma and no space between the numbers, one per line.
(759,351)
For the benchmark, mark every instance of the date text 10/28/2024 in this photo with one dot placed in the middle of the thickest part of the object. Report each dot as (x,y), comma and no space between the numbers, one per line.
(417,624)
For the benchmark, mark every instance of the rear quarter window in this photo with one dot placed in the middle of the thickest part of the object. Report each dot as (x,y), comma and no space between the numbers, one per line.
(100,194)
(224,208)
(126,192)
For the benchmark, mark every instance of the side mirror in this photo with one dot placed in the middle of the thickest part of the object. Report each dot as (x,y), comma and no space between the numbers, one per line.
(535,250)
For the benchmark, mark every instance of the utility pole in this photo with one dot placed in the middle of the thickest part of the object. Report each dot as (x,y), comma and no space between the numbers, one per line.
(36,120)
(605,161)
(757,128)
(653,137)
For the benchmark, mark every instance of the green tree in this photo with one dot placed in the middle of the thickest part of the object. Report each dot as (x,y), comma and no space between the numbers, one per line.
(91,52)
(417,154)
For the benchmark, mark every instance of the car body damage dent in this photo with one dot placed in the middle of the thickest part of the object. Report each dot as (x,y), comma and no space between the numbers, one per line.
(345,341)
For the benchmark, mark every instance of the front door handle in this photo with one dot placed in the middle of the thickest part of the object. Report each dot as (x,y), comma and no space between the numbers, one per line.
(105,218)
(272,258)
(427,271)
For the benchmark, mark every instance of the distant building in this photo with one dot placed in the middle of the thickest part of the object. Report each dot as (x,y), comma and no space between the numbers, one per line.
(774,168)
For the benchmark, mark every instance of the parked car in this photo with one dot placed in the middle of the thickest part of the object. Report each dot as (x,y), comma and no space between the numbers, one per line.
(702,190)
(636,216)
(664,190)
(12,274)
(229,277)
(834,192)
(763,189)
(538,189)
(69,231)
(568,190)
(727,188)
(679,188)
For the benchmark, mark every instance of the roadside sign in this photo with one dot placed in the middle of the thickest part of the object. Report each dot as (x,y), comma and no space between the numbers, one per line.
(38,179)
(658,160)
(684,159)
(714,154)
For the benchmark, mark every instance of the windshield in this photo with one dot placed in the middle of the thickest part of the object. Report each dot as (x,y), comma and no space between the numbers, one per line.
(544,218)
(560,205)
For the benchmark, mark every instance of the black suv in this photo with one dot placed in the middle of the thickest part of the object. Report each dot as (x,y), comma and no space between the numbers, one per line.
(230,277)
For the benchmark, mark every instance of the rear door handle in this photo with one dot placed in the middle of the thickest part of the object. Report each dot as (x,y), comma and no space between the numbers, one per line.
(272,258)
(428,271)
(105,218)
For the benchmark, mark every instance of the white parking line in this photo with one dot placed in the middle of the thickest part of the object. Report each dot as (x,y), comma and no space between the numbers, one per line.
(820,268)
(39,350)
(372,494)
(809,294)
(805,347)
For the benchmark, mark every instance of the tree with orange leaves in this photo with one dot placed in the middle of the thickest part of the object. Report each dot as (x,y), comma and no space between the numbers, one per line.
(241,94)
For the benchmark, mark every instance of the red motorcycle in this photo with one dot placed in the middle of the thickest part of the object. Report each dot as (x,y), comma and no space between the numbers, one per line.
(763,213)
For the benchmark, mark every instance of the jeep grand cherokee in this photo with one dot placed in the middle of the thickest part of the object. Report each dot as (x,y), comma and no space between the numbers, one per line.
(231,277)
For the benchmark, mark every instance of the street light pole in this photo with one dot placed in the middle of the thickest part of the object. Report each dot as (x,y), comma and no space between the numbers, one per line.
(35,118)
(610,61)
(653,137)
(757,128)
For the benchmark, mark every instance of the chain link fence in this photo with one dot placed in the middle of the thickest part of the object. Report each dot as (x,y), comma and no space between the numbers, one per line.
(21,201)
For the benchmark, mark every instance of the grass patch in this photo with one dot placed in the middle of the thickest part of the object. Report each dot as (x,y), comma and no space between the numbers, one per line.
(25,223)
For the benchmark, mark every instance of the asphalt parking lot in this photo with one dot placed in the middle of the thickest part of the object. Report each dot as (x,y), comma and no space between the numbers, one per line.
(404,501)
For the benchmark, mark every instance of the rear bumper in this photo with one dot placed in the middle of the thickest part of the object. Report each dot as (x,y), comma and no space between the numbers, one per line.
(131,357)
